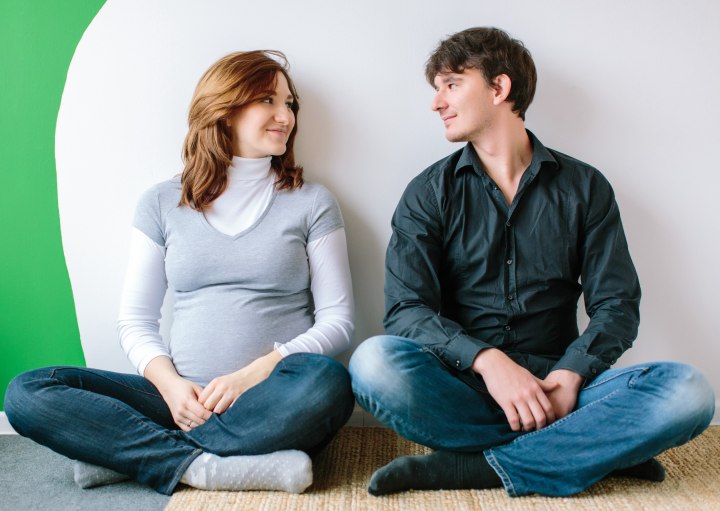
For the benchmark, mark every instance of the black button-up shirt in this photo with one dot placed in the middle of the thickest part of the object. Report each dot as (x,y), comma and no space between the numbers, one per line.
(466,271)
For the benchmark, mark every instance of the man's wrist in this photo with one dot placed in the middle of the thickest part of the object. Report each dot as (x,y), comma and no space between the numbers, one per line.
(485,358)
(566,378)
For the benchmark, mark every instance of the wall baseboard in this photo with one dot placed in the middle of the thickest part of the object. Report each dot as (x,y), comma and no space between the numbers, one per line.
(5,427)
(359,419)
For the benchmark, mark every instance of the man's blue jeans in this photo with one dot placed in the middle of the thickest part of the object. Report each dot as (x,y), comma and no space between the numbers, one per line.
(121,422)
(622,418)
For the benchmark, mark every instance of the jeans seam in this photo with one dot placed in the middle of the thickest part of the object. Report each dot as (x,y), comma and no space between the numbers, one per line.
(504,477)
(180,471)
(596,383)
(52,375)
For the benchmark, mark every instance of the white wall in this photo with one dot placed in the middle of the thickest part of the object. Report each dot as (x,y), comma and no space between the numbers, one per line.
(628,86)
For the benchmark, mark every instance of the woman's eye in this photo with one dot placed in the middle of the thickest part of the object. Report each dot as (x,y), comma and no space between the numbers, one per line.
(269,101)
(289,104)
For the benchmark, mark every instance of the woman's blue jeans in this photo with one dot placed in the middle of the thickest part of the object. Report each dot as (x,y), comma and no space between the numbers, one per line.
(622,418)
(121,422)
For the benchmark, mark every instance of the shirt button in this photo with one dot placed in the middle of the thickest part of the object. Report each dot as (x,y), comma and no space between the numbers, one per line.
(509,261)
(593,370)
(507,327)
(508,224)
(511,297)
(457,363)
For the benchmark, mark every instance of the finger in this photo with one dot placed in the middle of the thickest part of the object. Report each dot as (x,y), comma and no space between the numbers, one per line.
(512,417)
(203,394)
(222,405)
(538,414)
(212,400)
(527,420)
(197,413)
(547,406)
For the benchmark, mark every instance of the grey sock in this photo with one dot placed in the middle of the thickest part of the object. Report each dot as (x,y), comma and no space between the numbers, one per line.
(289,471)
(88,476)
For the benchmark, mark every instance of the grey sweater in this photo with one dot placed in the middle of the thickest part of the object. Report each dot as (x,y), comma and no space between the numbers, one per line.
(235,296)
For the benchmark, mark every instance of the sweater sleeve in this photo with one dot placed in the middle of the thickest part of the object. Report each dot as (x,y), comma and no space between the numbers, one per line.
(143,292)
(331,288)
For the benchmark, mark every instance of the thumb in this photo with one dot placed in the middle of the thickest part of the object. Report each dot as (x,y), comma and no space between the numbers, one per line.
(548,386)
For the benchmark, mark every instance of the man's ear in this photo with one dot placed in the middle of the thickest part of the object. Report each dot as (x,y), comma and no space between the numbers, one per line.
(502,84)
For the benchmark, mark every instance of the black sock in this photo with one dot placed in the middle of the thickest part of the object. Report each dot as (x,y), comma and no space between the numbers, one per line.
(650,470)
(441,470)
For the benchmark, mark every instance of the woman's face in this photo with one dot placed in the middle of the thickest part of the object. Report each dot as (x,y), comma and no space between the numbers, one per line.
(262,129)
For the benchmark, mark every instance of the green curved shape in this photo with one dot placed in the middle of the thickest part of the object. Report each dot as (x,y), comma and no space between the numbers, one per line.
(38,326)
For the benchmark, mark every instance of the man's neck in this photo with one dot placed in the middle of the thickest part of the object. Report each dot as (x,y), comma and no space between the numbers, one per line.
(505,152)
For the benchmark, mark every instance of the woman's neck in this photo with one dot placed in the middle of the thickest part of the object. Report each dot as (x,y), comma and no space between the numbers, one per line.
(248,169)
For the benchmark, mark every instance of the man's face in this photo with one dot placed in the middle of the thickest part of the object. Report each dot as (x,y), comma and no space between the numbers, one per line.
(465,104)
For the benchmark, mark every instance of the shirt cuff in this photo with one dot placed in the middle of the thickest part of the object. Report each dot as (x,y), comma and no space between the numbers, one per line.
(585,365)
(460,352)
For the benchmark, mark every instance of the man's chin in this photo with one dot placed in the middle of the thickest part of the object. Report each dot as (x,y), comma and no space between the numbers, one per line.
(455,137)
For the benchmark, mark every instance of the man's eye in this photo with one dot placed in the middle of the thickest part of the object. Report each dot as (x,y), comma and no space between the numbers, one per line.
(451,86)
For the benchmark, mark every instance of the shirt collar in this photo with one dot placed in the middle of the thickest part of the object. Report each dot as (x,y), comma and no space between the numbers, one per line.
(541,155)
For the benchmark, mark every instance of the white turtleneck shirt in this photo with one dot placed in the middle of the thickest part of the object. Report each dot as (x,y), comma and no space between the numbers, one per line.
(261,269)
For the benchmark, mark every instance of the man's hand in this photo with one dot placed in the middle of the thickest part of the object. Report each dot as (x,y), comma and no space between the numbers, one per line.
(564,396)
(222,392)
(181,395)
(521,395)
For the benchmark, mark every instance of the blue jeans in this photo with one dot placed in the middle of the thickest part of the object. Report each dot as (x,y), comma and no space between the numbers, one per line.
(622,418)
(121,422)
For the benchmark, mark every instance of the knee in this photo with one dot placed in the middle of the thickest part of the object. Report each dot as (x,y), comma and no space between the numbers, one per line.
(690,398)
(370,361)
(326,382)
(382,365)
(20,396)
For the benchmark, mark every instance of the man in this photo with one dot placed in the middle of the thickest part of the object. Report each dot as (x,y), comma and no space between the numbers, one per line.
(483,361)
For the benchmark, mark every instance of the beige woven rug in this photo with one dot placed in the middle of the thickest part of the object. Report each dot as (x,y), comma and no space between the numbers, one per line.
(342,473)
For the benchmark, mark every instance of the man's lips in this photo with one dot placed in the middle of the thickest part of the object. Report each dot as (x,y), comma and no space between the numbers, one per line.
(447,118)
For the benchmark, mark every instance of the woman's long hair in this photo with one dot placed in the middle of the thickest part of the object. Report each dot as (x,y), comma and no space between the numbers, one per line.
(231,83)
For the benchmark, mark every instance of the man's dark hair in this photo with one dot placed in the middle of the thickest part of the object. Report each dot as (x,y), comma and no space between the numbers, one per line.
(492,52)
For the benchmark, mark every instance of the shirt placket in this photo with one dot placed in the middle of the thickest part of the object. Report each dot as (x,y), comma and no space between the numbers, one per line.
(509,284)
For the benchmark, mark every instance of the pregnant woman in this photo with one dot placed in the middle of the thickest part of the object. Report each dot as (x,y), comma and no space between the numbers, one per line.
(256,259)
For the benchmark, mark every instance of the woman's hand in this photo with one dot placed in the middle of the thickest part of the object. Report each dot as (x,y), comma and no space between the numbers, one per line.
(181,395)
(182,399)
(223,391)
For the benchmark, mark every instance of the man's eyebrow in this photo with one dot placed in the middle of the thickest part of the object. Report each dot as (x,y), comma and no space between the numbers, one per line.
(450,77)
